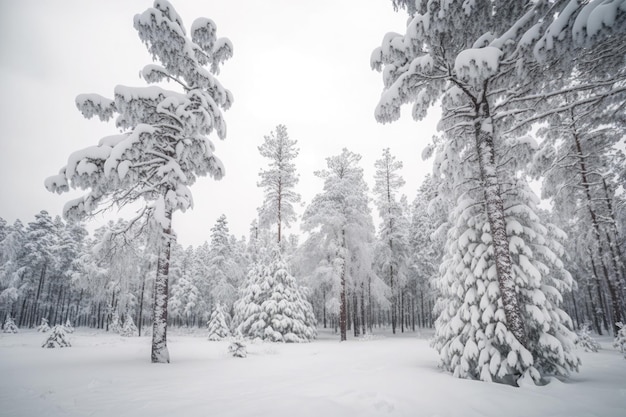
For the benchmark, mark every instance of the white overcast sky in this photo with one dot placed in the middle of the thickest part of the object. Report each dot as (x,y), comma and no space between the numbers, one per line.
(304,64)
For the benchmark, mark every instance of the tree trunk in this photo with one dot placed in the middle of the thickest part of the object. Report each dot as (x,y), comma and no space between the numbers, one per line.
(355,313)
(495,214)
(140,317)
(160,354)
(342,306)
(363,325)
(324,306)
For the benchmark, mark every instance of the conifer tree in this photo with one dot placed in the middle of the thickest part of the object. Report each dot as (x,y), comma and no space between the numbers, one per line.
(271,306)
(57,338)
(279,180)
(341,226)
(43,327)
(393,239)
(218,330)
(129,328)
(163,146)
(9,325)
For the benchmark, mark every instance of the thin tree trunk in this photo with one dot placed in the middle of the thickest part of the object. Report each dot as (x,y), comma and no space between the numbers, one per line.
(355,313)
(363,325)
(160,353)
(140,318)
(342,306)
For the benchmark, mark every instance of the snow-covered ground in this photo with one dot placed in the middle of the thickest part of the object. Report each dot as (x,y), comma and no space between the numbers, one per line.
(384,375)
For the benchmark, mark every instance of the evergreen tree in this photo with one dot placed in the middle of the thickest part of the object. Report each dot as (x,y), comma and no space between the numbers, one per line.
(218,330)
(393,239)
(57,338)
(222,270)
(9,325)
(115,326)
(163,146)
(43,327)
(68,326)
(129,329)
(279,180)
(482,59)
(272,306)
(620,339)
(585,341)
(340,224)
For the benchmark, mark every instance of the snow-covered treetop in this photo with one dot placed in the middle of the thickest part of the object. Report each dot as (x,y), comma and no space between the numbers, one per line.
(466,42)
(163,146)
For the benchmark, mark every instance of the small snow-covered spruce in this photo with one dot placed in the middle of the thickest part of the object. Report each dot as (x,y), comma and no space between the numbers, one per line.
(272,307)
(57,338)
(116,325)
(9,325)
(129,329)
(585,341)
(237,347)
(164,145)
(68,326)
(218,330)
(43,327)
(620,339)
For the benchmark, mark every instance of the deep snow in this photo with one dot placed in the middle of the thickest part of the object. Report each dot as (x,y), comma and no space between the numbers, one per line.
(384,375)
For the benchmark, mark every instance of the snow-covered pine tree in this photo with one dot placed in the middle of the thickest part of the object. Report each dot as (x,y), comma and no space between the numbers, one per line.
(237,347)
(579,162)
(9,325)
(68,326)
(223,274)
(39,246)
(115,326)
(425,247)
(271,306)
(471,54)
(472,333)
(620,339)
(218,330)
(392,251)
(128,329)
(57,338)
(279,180)
(341,226)
(12,268)
(585,341)
(43,327)
(163,146)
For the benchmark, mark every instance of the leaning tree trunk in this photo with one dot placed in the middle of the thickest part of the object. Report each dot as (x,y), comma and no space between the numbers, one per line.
(160,354)
(494,203)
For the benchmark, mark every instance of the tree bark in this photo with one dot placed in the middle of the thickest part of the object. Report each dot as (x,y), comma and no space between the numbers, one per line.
(495,215)
(160,353)
(342,306)
(140,317)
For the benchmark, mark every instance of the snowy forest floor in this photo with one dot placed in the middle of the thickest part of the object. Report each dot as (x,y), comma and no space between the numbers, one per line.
(381,375)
